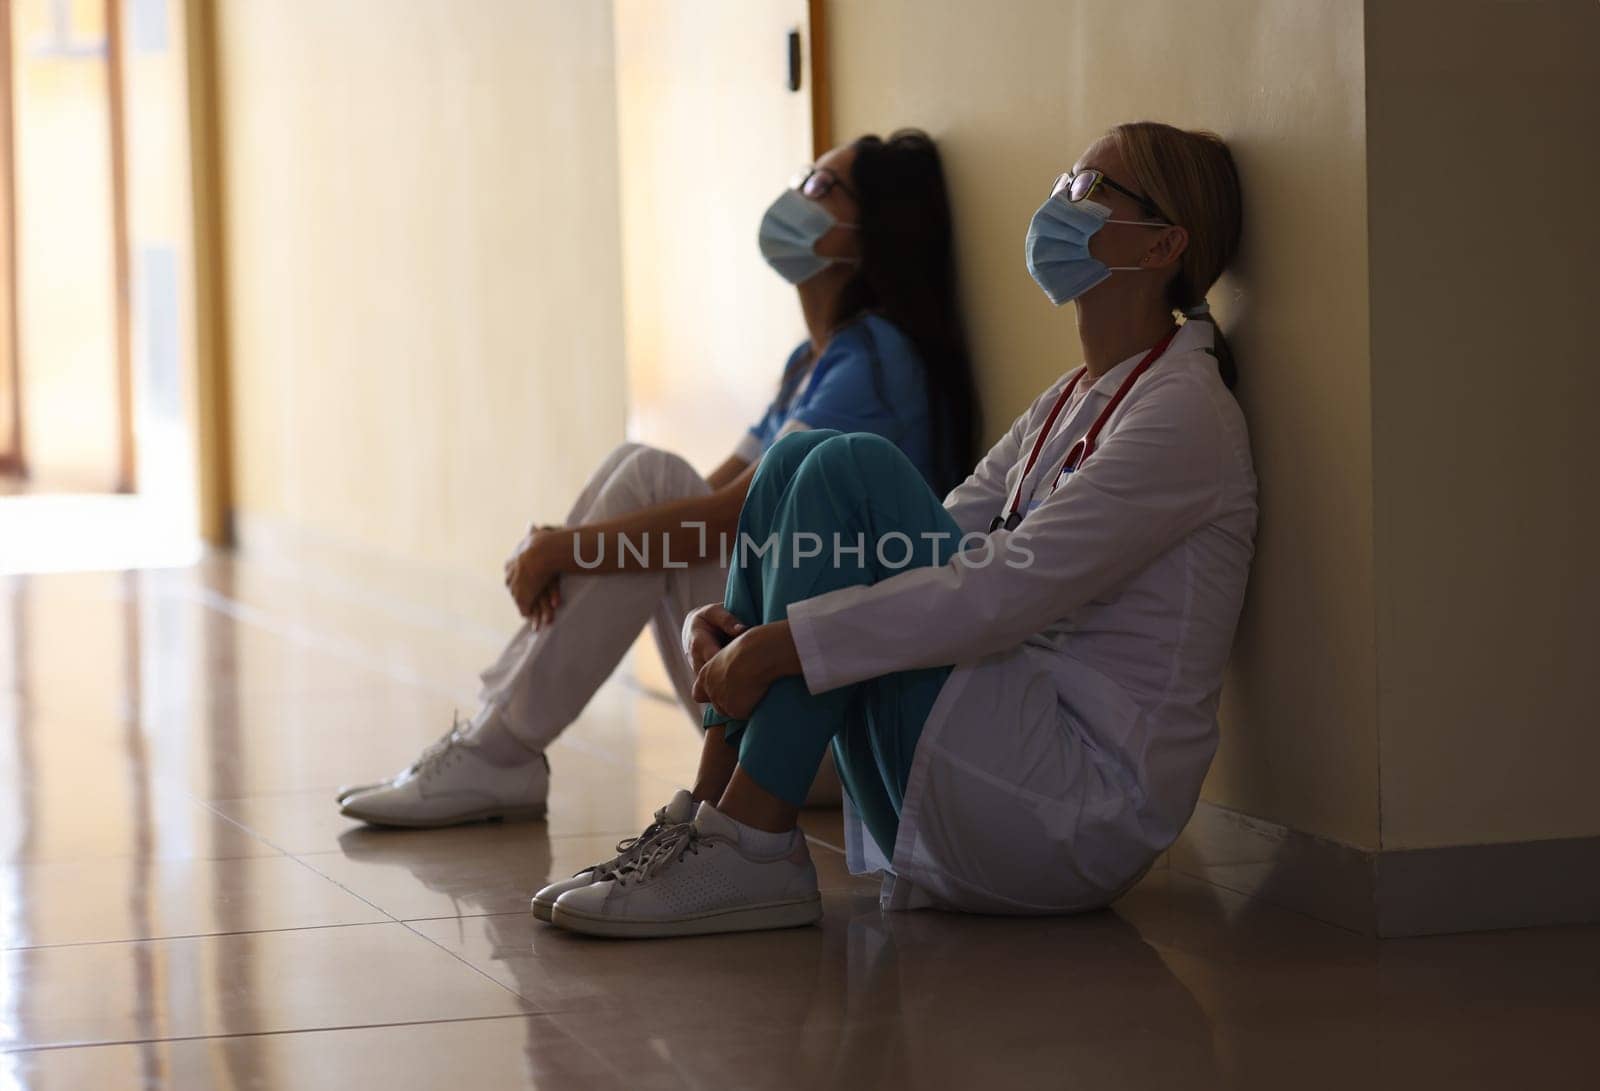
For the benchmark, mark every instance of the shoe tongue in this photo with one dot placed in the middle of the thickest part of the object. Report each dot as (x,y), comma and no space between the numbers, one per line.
(681,809)
(713,823)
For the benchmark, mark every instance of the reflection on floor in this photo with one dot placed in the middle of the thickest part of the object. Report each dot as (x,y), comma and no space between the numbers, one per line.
(181,905)
(41,532)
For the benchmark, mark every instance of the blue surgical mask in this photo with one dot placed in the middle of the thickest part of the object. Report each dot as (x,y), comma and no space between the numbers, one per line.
(789,234)
(1058,247)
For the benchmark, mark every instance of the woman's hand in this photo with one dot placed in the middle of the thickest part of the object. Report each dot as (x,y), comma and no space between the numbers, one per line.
(533,575)
(705,633)
(737,677)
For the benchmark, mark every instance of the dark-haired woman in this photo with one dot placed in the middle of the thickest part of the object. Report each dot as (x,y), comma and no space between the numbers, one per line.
(865,237)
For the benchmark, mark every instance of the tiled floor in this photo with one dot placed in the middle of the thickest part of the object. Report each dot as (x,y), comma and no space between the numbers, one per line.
(182,906)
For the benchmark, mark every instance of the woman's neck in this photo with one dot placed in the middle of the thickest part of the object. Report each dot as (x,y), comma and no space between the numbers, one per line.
(819,303)
(1111,334)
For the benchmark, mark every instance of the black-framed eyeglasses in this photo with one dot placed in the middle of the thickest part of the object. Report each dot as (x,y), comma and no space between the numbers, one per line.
(1078,185)
(817,182)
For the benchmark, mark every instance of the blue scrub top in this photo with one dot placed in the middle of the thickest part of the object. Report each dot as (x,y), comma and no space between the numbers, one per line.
(869,379)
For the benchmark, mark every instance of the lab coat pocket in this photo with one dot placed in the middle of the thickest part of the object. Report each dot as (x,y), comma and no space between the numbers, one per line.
(1107,721)
(1017,814)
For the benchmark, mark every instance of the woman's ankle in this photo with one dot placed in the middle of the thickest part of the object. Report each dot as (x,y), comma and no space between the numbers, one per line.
(497,744)
(749,804)
(718,760)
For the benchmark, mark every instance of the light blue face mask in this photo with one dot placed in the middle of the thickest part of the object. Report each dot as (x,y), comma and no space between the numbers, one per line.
(789,233)
(1058,247)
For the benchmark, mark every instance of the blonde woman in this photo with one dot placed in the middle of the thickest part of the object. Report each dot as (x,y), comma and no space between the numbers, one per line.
(1019,684)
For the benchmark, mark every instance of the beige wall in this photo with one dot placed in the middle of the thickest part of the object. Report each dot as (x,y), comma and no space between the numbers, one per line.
(423,263)
(422,269)
(1483,159)
(1014,92)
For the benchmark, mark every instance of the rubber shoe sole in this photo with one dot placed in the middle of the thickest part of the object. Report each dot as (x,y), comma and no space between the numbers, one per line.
(542,910)
(487,814)
(749,918)
(347,794)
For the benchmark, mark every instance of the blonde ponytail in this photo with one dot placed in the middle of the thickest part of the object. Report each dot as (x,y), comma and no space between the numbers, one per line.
(1191,177)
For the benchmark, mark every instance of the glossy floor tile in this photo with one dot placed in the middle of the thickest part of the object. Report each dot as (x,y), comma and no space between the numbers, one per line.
(181,904)
(99,901)
(245,983)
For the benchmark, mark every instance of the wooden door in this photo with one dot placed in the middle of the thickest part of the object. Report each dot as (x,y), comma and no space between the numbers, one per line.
(66,246)
(10,382)
(711,127)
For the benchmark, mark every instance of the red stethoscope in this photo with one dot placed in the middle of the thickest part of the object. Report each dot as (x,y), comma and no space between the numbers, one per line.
(1082,449)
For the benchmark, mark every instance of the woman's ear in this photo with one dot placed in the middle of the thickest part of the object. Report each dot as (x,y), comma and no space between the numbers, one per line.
(1168,248)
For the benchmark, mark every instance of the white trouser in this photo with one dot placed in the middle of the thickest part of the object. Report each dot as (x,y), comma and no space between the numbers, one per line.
(542,681)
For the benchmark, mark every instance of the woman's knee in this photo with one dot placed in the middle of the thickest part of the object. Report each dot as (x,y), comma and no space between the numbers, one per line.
(658,463)
(786,455)
(616,457)
(863,456)
(647,475)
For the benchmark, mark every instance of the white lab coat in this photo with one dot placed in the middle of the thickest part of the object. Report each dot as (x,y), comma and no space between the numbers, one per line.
(1066,750)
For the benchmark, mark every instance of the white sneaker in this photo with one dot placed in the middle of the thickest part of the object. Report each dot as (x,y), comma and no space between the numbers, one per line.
(695,879)
(676,813)
(345,791)
(450,784)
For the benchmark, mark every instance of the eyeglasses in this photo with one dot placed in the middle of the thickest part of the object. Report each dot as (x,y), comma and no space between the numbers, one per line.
(1078,185)
(817,182)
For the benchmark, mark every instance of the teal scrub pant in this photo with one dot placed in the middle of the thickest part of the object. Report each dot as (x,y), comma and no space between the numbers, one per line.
(825,483)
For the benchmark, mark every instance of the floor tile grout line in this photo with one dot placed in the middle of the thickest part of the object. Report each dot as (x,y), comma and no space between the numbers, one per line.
(389,918)
(403,924)
(336,883)
(311,637)
(407,925)
(242,828)
(474,967)
(329,878)
(55,861)
(14,1050)
(517,912)
(1258,900)
(427,939)
(407,612)
(203,935)
(436,621)
(317,638)
(607,834)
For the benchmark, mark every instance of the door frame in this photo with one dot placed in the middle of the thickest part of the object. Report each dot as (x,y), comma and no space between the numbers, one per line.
(821,86)
(212,418)
(11,458)
(121,258)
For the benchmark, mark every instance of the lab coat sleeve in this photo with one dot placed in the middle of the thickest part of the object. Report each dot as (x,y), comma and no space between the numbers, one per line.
(1156,477)
(975,502)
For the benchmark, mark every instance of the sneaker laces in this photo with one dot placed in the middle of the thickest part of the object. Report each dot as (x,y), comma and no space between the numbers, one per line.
(435,756)
(669,846)
(631,849)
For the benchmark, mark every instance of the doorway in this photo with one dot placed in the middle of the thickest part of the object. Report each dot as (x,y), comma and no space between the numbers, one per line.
(719,103)
(96,437)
